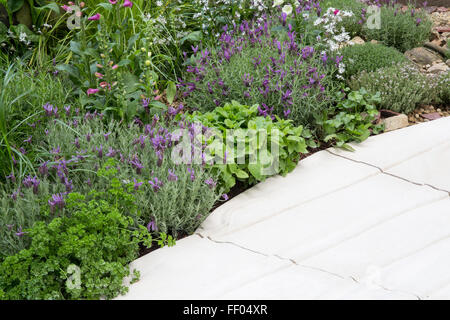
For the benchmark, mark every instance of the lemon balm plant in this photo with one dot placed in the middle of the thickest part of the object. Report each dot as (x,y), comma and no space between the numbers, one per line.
(244,146)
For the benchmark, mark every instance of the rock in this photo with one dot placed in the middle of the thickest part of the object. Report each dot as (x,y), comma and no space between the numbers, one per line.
(437,47)
(422,56)
(374,41)
(443,29)
(448,62)
(357,40)
(438,68)
(434,36)
(431,116)
(395,122)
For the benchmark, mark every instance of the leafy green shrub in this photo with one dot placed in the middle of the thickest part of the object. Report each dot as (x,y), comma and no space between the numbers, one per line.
(401,30)
(95,240)
(369,57)
(352,119)
(69,148)
(241,143)
(402,87)
(442,89)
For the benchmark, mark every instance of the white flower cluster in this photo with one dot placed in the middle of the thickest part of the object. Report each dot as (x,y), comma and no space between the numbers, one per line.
(334,37)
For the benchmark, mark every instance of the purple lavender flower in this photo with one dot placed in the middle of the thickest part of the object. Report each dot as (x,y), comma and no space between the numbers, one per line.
(172,176)
(28,140)
(50,109)
(67,108)
(247,79)
(19,232)
(12,177)
(225,197)
(56,150)
(56,201)
(211,183)
(155,183)
(106,135)
(137,164)
(111,153)
(99,151)
(9,226)
(145,103)
(68,184)
(15,194)
(29,182)
(151,226)
(77,143)
(88,137)
(137,184)
(192,173)
(418,21)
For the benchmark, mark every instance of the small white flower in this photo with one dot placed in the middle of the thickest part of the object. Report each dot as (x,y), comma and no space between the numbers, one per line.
(22,37)
(277,3)
(287,9)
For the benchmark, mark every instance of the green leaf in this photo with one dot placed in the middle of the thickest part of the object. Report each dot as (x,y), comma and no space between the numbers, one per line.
(230,124)
(15,5)
(52,6)
(171,90)
(241,174)
(255,169)
(106,6)
(192,37)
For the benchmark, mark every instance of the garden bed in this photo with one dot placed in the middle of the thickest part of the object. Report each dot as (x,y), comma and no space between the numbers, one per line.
(123,124)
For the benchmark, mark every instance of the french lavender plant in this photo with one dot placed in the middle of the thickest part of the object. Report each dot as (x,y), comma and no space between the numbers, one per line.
(72,150)
(254,64)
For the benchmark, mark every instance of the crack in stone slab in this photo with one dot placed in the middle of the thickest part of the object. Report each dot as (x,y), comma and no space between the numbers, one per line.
(390,174)
(305,266)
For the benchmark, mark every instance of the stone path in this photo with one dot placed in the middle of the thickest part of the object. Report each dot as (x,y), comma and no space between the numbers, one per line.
(369,224)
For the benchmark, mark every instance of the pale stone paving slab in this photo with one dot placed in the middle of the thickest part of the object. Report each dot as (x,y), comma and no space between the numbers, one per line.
(388,242)
(430,168)
(310,180)
(424,273)
(197,268)
(392,148)
(297,282)
(315,226)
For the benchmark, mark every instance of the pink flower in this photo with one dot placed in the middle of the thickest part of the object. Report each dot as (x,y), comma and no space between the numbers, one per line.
(127,3)
(95,17)
(98,75)
(92,91)
(113,1)
(105,84)
(66,8)
(114,67)
(336,12)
